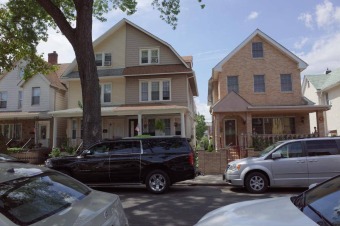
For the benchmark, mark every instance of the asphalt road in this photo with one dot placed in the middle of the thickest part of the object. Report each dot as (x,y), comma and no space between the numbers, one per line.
(183,204)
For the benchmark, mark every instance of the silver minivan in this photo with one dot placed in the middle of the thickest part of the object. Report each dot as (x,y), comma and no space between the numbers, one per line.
(290,163)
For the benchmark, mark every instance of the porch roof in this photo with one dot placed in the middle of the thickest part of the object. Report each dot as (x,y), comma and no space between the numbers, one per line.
(123,110)
(233,102)
(23,115)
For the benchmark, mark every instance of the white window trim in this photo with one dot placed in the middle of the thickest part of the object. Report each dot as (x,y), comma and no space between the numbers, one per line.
(149,81)
(103,59)
(149,55)
(102,92)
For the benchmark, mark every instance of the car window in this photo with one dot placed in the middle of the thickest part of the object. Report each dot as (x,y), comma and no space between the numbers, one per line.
(291,150)
(100,149)
(322,147)
(325,199)
(125,147)
(29,200)
(165,145)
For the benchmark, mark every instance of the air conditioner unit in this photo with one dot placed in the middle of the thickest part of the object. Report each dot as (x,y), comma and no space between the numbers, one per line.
(107,63)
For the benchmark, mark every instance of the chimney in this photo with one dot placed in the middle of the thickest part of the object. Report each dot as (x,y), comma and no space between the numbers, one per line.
(53,58)
(327,71)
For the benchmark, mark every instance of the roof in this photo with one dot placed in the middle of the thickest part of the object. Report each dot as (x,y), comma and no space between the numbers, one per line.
(101,73)
(157,69)
(232,102)
(23,115)
(124,110)
(325,81)
(302,65)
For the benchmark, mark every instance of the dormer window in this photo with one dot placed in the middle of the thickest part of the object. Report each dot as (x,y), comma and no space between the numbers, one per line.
(257,49)
(149,56)
(103,59)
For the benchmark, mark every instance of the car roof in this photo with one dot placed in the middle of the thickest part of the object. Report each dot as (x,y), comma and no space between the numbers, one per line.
(13,170)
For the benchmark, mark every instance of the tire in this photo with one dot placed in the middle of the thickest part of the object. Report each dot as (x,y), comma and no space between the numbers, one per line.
(256,183)
(157,182)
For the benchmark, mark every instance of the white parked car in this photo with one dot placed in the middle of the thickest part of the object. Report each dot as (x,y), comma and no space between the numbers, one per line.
(38,196)
(319,205)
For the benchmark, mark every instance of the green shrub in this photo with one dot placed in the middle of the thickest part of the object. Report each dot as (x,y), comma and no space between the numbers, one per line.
(14,150)
(55,153)
(205,142)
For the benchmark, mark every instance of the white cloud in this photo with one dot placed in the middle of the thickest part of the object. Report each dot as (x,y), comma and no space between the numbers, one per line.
(203,109)
(325,53)
(301,43)
(327,15)
(307,19)
(253,15)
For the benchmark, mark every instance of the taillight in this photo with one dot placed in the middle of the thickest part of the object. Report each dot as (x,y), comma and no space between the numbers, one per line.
(191,158)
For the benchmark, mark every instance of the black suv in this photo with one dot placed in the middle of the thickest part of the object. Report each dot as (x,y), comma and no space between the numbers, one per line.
(157,162)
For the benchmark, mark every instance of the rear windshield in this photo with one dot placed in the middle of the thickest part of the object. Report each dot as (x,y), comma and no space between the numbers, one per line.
(160,145)
(31,199)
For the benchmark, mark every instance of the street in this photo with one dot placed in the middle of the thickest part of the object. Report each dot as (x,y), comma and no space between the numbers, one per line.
(183,204)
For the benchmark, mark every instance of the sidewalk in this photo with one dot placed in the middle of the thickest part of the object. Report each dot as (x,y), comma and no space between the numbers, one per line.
(206,180)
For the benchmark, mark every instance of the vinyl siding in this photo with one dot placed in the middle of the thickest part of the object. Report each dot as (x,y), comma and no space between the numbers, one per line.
(9,83)
(45,94)
(136,39)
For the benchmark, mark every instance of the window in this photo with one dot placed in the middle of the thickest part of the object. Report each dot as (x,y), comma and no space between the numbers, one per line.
(257,49)
(280,125)
(103,59)
(322,147)
(155,90)
(106,93)
(35,95)
(21,72)
(232,84)
(20,100)
(259,84)
(74,129)
(126,148)
(10,131)
(3,99)
(291,150)
(286,83)
(149,56)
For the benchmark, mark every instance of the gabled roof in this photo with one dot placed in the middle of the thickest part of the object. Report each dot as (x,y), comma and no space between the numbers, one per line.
(324,82)
(116,27)
(302,65)
(231,103)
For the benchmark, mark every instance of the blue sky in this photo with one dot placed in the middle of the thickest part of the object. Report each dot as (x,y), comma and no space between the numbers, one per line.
(308,28)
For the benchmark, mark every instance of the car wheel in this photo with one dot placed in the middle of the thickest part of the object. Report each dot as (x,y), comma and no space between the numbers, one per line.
(157,182)
(256,182)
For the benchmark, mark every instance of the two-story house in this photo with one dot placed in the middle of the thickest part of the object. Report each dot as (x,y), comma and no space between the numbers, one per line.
(324,89)
(24,105)
(256,89)
(144,82)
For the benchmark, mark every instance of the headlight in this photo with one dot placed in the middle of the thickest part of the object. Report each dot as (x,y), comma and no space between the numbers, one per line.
(234,167)
(48,163)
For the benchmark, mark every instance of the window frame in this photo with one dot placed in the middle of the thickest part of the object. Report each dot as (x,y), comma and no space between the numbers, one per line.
(231,86)
(35,98)
(103,59)
(259,85)
(20,99)
(102,93)
(149,82)
(286,87)
(3,99)
(257,50)
(149,52)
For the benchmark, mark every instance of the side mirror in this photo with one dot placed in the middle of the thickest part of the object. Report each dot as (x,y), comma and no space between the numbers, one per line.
(312,185)
(85,153)
(276,155)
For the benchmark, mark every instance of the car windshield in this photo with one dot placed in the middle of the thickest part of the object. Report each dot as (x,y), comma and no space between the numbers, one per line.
(322,203)
(30,199)
(269,149)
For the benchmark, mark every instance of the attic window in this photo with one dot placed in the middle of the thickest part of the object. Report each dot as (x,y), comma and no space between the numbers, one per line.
(257,49)
(149,56)
(103,59)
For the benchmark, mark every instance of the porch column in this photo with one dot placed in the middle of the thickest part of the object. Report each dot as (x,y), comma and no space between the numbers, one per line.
(320,119)
(249,129)
(140,126)
(218,139)
(55,129)
(182,125)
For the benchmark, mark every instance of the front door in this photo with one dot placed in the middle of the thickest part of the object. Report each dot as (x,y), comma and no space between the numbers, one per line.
(43,133)
(230,132)
(114,129)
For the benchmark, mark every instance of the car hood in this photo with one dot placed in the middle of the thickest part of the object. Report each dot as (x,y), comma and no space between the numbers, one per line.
(264,212)
(98,208)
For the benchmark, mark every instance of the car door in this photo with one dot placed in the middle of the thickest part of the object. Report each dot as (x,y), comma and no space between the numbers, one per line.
(125,161)
(93,165)
(291,169)
(323,159)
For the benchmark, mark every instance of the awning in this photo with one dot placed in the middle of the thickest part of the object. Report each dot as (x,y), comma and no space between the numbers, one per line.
(297,108)
(123,110)
(23,115)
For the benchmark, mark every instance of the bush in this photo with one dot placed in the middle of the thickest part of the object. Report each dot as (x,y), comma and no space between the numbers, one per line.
(55,153)
(205,142)
(14,150)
